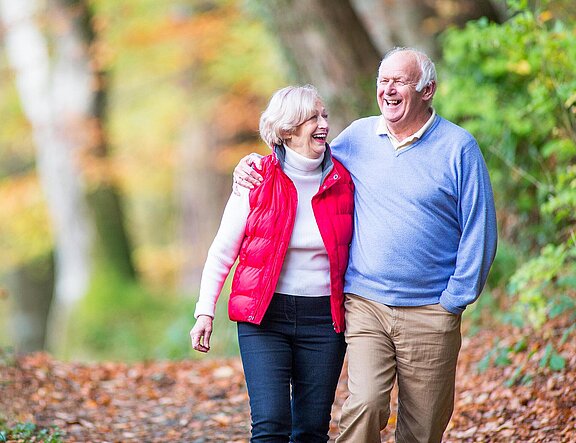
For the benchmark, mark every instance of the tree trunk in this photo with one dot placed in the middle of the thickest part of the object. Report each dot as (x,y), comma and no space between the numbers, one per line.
(337,45)
(52,104)
(32,287)
(63,98)
(199,200)
(393,23)
(113,247)
(417,23)
(474,9)
(329,47)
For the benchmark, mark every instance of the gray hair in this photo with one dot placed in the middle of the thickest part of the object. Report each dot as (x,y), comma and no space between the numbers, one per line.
(427,68)
(288,108)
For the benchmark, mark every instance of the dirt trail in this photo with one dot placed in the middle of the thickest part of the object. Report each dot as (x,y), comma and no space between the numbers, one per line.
(205,401)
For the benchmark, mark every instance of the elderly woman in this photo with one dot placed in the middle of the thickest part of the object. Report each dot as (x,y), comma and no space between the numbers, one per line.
(291,236)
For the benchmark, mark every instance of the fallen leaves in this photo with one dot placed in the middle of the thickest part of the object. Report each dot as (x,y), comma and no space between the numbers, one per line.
(194,401)
(205,401)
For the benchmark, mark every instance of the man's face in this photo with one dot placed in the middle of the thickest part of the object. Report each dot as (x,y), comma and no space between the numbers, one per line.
(400,103)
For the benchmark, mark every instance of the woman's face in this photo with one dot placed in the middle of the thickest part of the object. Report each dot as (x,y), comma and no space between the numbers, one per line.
(309,139)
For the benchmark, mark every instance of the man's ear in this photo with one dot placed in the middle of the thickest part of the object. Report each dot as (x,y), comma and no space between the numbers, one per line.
(429,91)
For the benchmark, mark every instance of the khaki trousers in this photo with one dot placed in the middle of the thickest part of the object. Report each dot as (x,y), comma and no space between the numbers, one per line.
(417,345)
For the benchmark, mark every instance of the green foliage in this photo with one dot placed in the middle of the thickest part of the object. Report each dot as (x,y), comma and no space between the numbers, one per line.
(520,354)
(513,85)
(121,320)
(29,433)
(488,307)
(505,264)
(112,318)
(552,359)
(545,285)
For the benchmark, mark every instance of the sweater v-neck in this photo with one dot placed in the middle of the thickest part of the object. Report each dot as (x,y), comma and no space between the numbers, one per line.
(424,136)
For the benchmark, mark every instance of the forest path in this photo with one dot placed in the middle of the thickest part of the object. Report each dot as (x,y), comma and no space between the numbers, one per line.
(201,401)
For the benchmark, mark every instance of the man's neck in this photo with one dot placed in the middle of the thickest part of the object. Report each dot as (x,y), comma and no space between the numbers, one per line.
(402,132)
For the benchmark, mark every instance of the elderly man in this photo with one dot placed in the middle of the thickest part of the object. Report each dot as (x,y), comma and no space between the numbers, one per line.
(424,240)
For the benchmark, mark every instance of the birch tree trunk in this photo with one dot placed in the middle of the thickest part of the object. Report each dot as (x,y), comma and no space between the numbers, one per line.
(53,100)
(63,96)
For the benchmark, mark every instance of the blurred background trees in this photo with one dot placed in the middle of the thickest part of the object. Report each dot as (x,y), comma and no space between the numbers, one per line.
(122,122)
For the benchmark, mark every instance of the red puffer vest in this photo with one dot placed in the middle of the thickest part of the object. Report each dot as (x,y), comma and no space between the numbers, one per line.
(269,228)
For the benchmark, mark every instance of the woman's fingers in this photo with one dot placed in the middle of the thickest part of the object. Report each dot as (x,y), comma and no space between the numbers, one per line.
(200,333)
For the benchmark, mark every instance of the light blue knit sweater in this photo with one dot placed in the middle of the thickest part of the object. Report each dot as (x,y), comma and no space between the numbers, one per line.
(425,224)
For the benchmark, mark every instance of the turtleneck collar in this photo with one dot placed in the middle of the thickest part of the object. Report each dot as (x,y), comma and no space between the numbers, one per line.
(300,162)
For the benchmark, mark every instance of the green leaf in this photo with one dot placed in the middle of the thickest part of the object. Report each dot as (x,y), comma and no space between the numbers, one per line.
(520,346)
(563,304)
(484,364)
(566,334)
(557,362)
(546,357)
(568,281)
(526,379)
(502,358)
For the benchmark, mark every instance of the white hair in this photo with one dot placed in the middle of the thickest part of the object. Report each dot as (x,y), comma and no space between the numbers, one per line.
(288,108)
(427,68)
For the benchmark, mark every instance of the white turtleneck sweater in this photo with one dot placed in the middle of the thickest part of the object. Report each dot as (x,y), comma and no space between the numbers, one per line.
(305,271)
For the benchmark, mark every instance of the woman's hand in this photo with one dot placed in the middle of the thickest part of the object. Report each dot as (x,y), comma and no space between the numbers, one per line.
(245,174)
(201,332)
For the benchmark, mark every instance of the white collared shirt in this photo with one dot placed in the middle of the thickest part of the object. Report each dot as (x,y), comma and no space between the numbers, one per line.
(382,129)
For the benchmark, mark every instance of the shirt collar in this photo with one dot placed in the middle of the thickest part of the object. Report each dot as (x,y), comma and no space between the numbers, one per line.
(382,129)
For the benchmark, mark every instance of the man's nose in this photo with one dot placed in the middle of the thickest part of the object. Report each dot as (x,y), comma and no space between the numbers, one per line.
(390,87)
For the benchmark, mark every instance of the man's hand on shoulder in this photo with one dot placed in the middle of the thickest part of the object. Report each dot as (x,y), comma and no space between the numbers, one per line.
(245,173)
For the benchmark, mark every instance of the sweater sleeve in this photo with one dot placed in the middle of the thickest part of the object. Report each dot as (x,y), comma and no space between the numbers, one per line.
(477,247)
(223,252)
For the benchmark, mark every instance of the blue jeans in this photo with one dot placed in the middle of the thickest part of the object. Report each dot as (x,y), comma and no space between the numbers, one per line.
(292,362)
